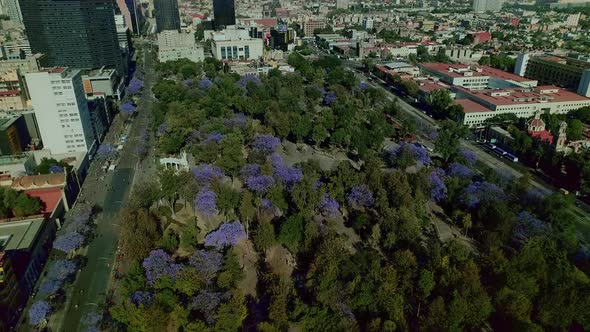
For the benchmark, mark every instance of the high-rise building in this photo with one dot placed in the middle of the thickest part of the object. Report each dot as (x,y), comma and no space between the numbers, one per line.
(167,15)
(224,13)
(61,110)
(132,13)
(73,33)
(12,10)
(174,45)
(342,4)
(487,5)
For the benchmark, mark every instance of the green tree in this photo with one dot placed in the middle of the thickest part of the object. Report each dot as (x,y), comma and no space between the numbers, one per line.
(170,240)
(188,281)
(449,138)
(575,130)
(440,100)
(264,235)
(410,87)
(291,234)
(231,157)
(188,236)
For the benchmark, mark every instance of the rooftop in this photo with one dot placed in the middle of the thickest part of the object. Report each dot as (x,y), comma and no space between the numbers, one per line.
(49,197)
(21,234)
(470,106)
(39,181)
(5,122)
(454,70)
(520,96)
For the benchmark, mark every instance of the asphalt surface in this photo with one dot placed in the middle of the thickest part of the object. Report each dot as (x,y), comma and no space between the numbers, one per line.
(111,192)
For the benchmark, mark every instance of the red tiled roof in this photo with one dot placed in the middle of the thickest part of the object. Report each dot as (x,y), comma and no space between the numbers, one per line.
(49,197)
(493,72)
(470,106)
(443,68)
(542,135)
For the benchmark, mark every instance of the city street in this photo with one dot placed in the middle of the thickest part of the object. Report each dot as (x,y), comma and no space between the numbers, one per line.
(425,123)
(110,191)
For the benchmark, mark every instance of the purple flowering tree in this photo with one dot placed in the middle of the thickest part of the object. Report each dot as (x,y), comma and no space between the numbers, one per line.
(363,86)
(49,287)
(141,298)
(468,156)
(266,204)
(330,98)
(91,318)
(360,196)
(260,184)
(207,262)
(285,174)
(162,129)
(206,302)
(527,226)
(229,233)
(460,171)
(106,151)
(482,192)
(135,86)
(417,152)
(193,138)
(68,242)
(61,269)
(266,143)
(239,120)
(188,83)
(249,170)
(214,137)
(158,265)
(247,79)
(205,174)
(328,206)
(205,203)
(438,189)
(128,108)
(56,169)
(205,83)
(38,312)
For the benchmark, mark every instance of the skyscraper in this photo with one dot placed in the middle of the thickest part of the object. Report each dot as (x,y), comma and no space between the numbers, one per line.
(167,15)
(487,5)
(12,9)
(61,110)
(224,12)
(73,33)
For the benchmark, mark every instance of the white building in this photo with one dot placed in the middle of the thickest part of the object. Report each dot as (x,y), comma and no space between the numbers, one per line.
(522,102)
(487,5)
(12,9)
(341,4)
(174,45)
(234,44)
(61,110)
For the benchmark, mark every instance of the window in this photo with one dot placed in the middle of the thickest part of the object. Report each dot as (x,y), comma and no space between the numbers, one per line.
(235,52)
(223,54)
(247,52)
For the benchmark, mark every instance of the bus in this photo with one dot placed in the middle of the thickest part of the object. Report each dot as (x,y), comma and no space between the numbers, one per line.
(511,157)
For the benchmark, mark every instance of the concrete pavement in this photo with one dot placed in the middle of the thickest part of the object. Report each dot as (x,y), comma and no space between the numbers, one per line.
(111,192)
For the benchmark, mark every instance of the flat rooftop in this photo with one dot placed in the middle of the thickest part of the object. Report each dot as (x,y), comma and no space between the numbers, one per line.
(521,96)
(21,234)
(454,70)
(469,106)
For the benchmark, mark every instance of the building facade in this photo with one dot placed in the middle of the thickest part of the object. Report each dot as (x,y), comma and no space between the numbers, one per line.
(12,10)
(523,102)
(487,5)
(14,136)
(224,13)
(73,33)
(174,45)
(61,109)
(233,44)
(167,15)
